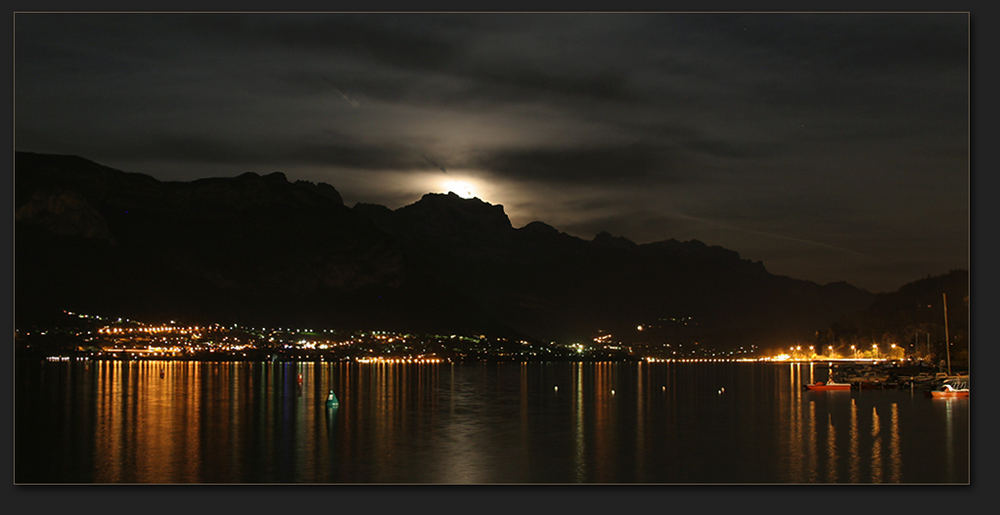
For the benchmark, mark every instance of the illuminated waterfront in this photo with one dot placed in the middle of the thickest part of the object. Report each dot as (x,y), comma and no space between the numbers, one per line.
(87,336)
(189,421)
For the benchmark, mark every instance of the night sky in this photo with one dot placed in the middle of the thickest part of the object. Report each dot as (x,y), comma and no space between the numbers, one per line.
(830,146)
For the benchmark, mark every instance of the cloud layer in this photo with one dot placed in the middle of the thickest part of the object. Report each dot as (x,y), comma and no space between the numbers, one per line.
(827,145)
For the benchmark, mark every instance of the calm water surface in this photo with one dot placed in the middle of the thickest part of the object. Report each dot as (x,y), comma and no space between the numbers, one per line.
(474,423)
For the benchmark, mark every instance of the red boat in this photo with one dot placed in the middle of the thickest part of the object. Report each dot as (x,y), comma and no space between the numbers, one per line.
(828,386)
(952,390)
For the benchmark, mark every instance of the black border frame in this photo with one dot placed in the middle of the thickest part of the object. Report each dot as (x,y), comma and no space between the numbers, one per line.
(842,499)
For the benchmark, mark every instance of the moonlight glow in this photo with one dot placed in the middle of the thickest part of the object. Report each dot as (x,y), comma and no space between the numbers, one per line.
(464,189)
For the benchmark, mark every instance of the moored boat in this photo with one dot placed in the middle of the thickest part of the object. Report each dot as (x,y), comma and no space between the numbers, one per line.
(828,386)
(951,390)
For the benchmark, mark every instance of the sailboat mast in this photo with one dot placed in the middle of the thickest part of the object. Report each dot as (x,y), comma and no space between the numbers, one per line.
(947,350)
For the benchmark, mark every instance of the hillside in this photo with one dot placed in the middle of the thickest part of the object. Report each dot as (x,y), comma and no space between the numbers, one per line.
(262,249)
(913,316)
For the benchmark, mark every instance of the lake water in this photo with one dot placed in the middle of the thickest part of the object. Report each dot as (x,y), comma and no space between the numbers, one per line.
(116,421)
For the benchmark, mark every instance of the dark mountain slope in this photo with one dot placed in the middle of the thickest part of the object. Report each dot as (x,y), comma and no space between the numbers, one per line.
(261,249)
(913,316)
(248,248)
(552,285)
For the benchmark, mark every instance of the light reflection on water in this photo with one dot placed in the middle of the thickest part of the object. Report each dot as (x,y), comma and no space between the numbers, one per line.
(855,457)
(876,448)
(474,423)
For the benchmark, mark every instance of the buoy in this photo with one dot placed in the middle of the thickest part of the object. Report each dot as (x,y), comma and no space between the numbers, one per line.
(331,400)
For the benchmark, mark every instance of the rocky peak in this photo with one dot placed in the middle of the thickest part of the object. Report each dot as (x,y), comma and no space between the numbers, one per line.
(452,209)
(537,227)
(276,177)
(606,239)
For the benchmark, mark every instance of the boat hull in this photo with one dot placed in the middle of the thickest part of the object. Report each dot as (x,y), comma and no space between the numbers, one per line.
(828,387)
(950,395)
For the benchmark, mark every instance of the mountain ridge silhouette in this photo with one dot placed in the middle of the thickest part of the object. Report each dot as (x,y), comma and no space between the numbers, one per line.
(261,249)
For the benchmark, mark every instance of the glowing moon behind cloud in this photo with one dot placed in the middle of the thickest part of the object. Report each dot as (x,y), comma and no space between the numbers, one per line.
(462,188)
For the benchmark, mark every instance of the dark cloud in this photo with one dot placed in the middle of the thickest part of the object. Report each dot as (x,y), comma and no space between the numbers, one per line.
(338,152)
(394,43)
(601,164)
(778,135)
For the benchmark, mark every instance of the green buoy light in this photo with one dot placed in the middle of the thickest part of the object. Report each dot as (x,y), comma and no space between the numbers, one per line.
(331,400)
